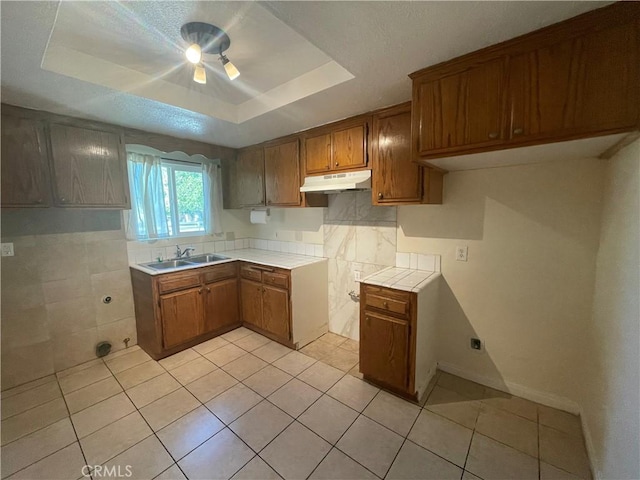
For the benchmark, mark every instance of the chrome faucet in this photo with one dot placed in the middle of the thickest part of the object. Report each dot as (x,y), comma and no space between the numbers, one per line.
(187,251)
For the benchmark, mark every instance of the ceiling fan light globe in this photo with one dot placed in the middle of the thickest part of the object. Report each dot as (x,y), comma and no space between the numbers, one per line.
(199,74)
(194,53)
(230,68)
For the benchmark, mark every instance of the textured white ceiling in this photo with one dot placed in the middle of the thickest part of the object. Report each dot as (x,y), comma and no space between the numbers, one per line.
(380,43)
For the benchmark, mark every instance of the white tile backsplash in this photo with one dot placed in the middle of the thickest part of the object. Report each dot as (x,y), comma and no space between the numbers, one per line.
(403,260)
(418,261)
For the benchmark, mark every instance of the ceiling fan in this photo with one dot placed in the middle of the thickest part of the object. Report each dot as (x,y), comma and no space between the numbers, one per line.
(207,38)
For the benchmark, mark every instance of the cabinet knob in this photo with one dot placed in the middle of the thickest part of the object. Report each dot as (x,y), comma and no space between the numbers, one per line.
(208,289)
(39,200)
(380,196)
(268,202)
(259,288)
(337,164)
(200,292)
(327,167)
(62,199)
(493,135)
(385,304)
(518,131)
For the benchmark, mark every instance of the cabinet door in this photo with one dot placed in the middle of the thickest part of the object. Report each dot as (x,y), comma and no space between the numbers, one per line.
(584,84)
(349,147)
(89,167)
(396,179)
(282,174)
(181,316)
(251,302)
(221,305)
(461,109)
(384,349)
(24,163)
(317,151)
(250,177)
(275,312)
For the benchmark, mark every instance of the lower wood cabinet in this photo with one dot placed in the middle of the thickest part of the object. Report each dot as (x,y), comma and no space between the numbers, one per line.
(177,310)
(397,337)
(265,300)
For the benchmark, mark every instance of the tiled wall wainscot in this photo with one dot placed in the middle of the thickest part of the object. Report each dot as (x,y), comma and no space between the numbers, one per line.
(52,310)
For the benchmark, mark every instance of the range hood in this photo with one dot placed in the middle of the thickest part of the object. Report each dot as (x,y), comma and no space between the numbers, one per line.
(338,182)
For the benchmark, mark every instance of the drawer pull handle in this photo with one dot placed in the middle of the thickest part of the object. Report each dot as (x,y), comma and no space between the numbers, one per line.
(493,135)
(518,131)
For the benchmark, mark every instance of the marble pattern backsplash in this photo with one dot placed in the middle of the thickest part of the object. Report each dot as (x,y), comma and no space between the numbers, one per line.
(357,238)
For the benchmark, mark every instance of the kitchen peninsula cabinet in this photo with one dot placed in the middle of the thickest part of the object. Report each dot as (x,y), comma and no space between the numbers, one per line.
(396,179)
(25,161)
(337,147)
(180,309)
(265,300)
(576,79)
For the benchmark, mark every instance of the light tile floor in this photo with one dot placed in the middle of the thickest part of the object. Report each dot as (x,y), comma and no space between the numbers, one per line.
(241,406)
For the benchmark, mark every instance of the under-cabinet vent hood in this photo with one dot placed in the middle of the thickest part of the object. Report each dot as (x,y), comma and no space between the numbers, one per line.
(338,182)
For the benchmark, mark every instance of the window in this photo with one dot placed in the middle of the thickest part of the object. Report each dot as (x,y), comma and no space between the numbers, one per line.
(170,197)
(183,188)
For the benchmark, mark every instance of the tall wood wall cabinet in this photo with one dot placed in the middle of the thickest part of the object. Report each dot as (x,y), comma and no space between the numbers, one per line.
(25,161)
(396,179)
(398,337)
(576,79)
(54,160)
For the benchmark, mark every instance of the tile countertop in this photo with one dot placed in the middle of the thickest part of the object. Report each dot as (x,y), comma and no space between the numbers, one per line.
(288,261)
(405,279)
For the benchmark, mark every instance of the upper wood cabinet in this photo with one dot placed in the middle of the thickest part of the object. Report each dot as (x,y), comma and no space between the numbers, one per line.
(576,79)
(396,179)
(282,173)
(89,167)
(51,159)
(584,84)
(25,163)
(337,147)
(318,153)
(249,184)
(460,108)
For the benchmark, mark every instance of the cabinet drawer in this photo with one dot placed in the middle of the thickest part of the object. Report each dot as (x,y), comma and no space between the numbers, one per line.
(246,271)
(220,272)
(394,302)
(179,281)
(276,279)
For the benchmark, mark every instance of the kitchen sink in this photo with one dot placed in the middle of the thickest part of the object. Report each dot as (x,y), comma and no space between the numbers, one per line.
(168,264)
(206,258)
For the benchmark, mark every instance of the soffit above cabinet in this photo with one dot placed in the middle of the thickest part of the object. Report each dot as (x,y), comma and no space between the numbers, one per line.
(344,58)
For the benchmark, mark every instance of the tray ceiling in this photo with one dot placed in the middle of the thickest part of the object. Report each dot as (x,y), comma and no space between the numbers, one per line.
(302,63)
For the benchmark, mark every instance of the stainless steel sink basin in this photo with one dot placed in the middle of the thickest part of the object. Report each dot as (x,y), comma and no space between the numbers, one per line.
(207,258)
(168,264)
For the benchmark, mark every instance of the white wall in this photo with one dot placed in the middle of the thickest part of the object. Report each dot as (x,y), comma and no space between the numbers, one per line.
(611,378)
(526,290)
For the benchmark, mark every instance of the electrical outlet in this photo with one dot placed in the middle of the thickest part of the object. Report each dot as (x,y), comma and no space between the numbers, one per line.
(357,275)
(7,249)
(461,253)
(475,344)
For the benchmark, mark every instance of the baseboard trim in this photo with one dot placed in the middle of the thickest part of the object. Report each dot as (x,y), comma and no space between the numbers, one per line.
(545,398)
